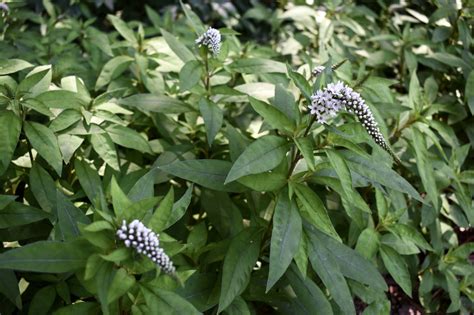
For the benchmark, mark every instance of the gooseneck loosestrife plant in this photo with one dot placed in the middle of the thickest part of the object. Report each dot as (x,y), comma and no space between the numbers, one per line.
(268,184)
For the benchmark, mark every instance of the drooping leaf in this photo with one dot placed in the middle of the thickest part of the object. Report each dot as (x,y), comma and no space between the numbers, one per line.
(8,66)
(238,264)
(16,213)
(286,234)
(308,293)
(213,118)
(10,128)
(128,138)
(257,65)
(104,146)
(272,115)
(68,217)
(46,256)
(262,155)
(177,47)
(167,302)
(350,262)
(313,209)
(112,69)
(190,75)
(156,103)
(46,143)
(123,29)
(207,173)
(397,268)
(327,268)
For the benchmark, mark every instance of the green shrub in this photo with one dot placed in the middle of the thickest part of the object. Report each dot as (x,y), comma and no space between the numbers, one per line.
(328,170)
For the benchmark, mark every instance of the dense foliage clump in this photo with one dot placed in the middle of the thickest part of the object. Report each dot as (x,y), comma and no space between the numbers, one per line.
(236,157)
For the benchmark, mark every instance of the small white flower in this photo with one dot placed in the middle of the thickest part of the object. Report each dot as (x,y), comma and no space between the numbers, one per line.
(212,39)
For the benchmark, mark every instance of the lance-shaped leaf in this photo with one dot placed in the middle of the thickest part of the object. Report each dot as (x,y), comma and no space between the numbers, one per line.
(213,118)
(286,236)
(45,142)
(10,128)
(272,115)
(262,155)
(47,256)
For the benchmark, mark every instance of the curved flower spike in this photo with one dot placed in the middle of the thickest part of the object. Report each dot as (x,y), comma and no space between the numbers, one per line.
(146,242)
(328,102)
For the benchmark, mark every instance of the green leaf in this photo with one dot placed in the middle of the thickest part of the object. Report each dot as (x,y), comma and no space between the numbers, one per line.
(213,118)
(262,155)
(180,207)
(156,103)
(207,173)
(368,243)
(112,69)
(104,146)
(272,115)
(43,188)
(238,264)
(163,212)
(193,19)
(425,168)
(380,173)
(308,294)
(257,65)
(190,75)
(344,174)
(42,301)
(286,234)
(285,102)
(10,128)
(46,256)
(120,201)
(166,302)
(123,29)
(397,268)
(268,181)
(68,216)
(410,233)
(79,309)
(65,119)
(9,287)
(8,66)
(128,138)
(301,83)
(121,284)
(351,263)
(313,209)
(177,47)
(469,91)
(454,291)
(90,183)
(198,289)
(305,145)
(327,268)
(45,142)
(144,187)
(61,99)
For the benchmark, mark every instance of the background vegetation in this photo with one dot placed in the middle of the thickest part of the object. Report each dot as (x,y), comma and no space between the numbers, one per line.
(109,111)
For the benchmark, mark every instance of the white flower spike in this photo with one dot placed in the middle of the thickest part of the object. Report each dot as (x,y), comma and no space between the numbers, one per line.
(146,242)
(212,39)
(328,102)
